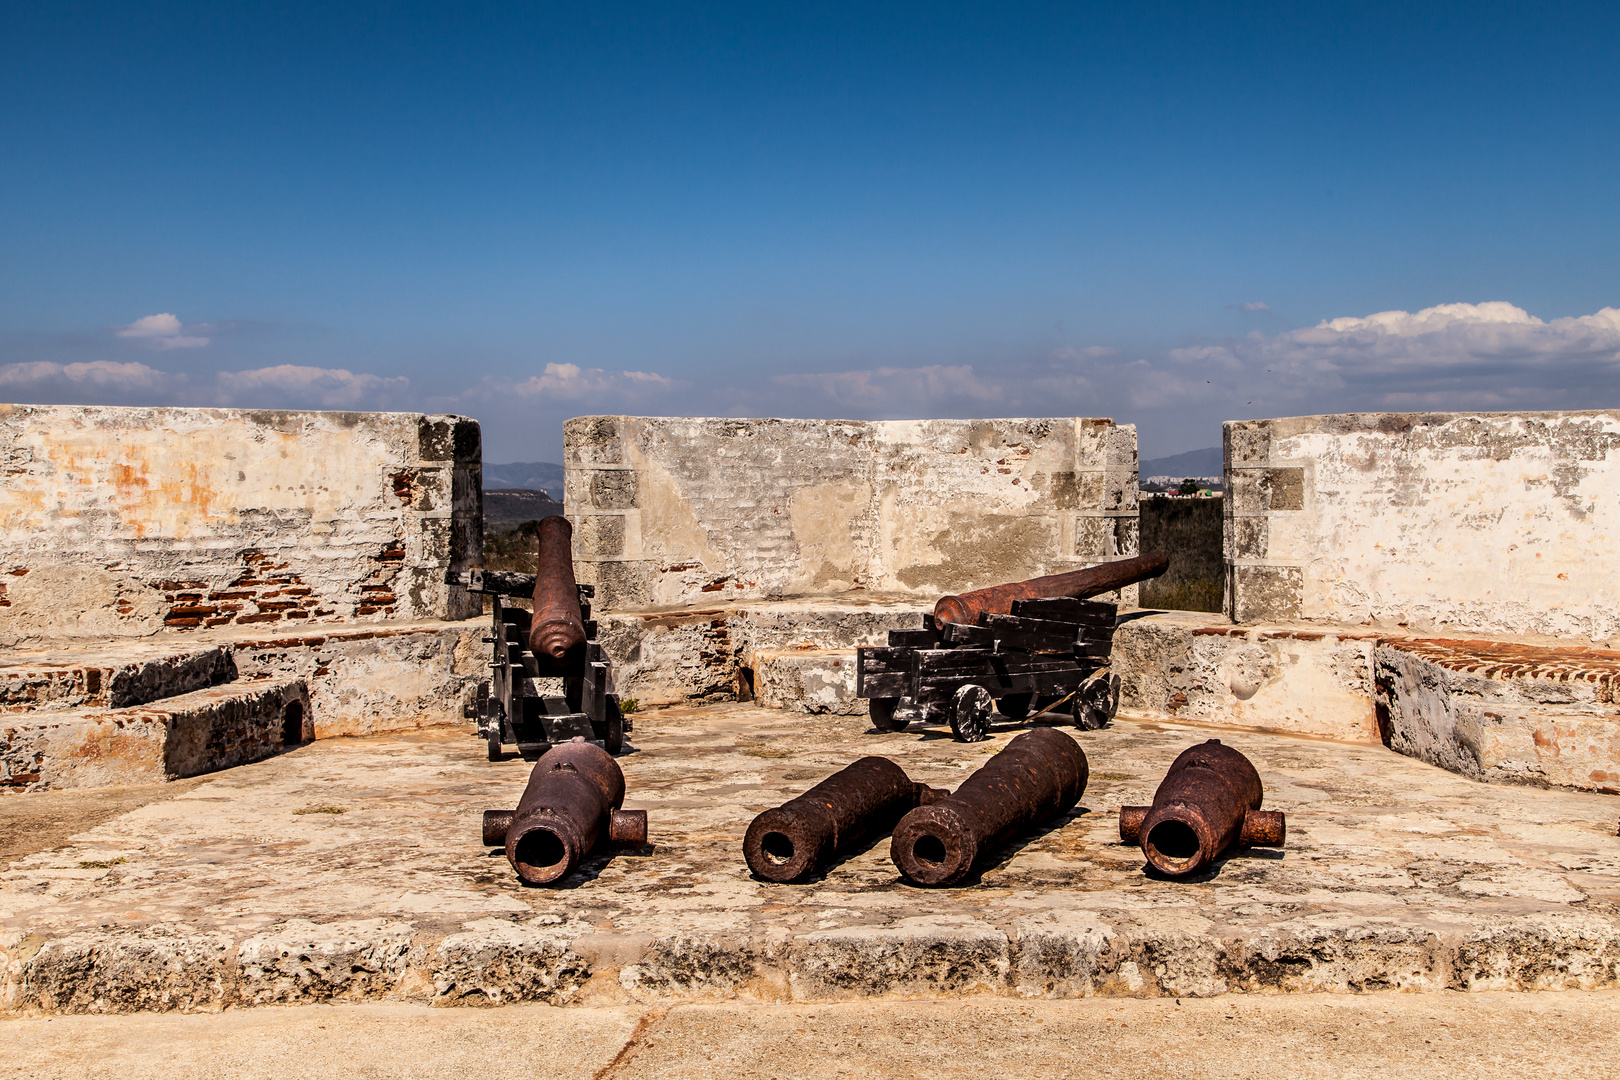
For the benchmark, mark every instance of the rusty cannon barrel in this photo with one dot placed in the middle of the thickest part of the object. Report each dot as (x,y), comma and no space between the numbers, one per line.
(1039,775)
(1080,584)
(573,798)
(836,816)
(1207,802)
(556,628)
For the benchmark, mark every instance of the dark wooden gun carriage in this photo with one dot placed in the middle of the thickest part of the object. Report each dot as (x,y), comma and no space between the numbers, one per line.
(1024,648)
(510,707)
(1045,655)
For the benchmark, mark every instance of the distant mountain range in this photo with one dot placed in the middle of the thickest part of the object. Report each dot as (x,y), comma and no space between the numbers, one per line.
(531,475)
(1199,463)
(507,508)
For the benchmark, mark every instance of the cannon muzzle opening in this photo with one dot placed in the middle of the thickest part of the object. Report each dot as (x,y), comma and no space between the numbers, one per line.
(572,802)
(838,815)
(1208,802)
(1039,775)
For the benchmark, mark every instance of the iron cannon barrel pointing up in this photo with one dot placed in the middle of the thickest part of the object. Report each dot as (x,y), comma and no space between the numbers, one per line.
(556,628)
(1080,584)
(1039,775)
(574,796)
(1207,802)
(836,816)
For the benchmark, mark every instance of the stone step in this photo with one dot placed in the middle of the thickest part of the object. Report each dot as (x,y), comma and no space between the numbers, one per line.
(186,735)
(362,678)
(807,680)
(132,673)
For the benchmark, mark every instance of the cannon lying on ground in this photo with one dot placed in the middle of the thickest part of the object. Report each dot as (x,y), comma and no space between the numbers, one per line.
(1019,646)
(832,819)
(556,641)
(1040,774)
(1206,803)
(573,799)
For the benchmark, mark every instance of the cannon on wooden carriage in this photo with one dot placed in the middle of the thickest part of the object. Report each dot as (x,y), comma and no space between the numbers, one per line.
(556,641)
(1022,648)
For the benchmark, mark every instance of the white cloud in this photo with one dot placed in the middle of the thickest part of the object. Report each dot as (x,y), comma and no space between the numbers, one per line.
(97,375)
(331,388)
(283,386)
(1491,355)
(571,382)
(164,332)
(1252,305)
(1480,336)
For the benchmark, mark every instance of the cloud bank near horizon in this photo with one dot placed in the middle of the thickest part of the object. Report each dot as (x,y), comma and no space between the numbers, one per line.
(1486,356)
(284,386)
(1492,355)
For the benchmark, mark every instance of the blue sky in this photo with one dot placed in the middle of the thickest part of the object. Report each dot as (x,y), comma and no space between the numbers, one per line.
(1171,214)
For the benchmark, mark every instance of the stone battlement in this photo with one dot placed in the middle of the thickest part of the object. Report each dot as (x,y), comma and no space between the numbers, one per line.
(120,522)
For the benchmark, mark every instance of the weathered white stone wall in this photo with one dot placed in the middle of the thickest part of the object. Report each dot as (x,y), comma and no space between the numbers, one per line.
(118,522)
(672,511)
(1475,522)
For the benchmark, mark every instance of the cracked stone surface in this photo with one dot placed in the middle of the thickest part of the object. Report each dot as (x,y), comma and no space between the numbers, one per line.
(351,869)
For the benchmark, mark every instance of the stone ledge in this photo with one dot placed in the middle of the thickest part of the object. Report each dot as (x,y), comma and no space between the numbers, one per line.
(132,674)
(696,654)
(807,681)
(1309,680)
(186,735)
(496,962)
(1505,711)
(362,677)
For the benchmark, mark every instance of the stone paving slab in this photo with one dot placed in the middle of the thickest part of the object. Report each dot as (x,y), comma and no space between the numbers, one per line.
(1573,1035)
(350,870)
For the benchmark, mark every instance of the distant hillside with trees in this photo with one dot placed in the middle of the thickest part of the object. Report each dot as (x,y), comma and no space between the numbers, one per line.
(1189,532)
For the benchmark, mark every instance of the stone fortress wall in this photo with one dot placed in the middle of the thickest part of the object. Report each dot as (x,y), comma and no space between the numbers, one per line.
(182,590)
(120,522)
(1492,523)
(676,511)
(1434,582)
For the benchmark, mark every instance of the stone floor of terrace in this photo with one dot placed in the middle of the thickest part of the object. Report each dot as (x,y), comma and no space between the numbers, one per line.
(351,869)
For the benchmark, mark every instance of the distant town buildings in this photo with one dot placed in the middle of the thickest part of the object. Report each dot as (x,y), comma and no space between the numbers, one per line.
(1184,487)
